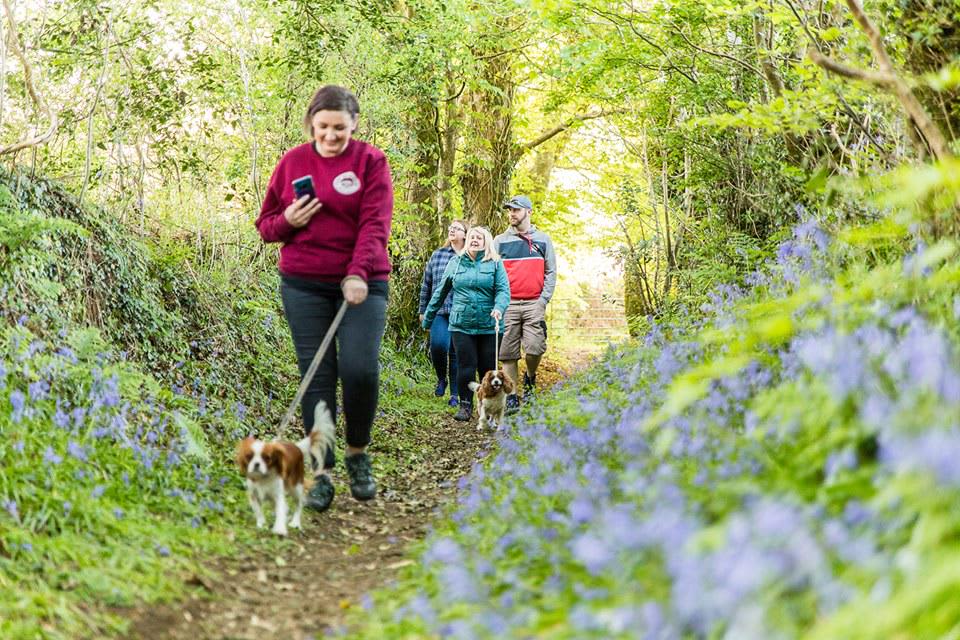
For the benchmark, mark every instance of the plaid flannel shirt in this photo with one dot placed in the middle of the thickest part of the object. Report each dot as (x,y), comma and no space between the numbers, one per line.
(432,278)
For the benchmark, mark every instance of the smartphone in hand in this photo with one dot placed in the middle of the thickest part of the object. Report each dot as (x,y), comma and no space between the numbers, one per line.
(304,187)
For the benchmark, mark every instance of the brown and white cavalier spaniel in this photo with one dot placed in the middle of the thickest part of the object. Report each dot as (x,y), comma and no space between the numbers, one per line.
(492,397)
(274,469)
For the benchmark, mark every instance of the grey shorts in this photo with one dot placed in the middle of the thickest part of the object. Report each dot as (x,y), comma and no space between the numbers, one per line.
(525,324)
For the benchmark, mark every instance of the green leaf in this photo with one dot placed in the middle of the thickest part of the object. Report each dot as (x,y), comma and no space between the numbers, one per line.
(831,34)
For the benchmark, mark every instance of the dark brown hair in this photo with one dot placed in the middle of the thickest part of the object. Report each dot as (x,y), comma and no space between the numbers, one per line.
(331,97)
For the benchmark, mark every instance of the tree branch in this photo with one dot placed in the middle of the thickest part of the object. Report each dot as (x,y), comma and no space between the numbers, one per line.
(884,80)
(888,79)
(560,128)
(28,81)
(718,54)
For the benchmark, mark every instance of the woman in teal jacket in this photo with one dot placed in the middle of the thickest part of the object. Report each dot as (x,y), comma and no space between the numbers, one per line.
(481,293)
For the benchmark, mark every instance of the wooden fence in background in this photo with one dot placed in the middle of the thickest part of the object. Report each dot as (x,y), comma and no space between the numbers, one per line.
(585,324)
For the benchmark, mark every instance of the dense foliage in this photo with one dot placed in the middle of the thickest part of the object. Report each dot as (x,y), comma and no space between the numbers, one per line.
(774,458)
(127,372)
(781,468)
(698,124)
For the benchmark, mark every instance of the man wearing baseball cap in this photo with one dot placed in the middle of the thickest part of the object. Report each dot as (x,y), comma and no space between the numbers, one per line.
(531,265)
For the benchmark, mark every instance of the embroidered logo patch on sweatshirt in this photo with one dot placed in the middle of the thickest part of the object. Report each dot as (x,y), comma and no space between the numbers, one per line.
(347,183)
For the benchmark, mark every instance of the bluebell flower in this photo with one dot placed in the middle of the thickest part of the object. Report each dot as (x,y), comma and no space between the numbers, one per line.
(51,457)
(36,346)
(933,451)
(10,506)
(17,401)
(443,551)
(838,461)
(38,390)
(366,602)
(111,391)
(77,451)
(590,551)
(420,606)
(459,584)
(61,418)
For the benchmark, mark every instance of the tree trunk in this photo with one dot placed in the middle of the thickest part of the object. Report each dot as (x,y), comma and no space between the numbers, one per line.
(937,49)
(492,152)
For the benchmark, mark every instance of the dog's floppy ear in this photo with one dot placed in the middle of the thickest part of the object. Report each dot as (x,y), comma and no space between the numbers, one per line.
(488,377)
(508,385)
(244,453)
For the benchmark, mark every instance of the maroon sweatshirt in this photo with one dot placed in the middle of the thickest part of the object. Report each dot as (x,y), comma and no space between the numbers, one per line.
(348,235)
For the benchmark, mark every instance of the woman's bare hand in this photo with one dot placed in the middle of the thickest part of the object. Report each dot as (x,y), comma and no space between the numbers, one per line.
(299,213)
(354,290)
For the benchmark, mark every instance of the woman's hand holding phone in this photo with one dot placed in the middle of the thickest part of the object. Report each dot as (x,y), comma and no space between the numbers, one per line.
(299,213)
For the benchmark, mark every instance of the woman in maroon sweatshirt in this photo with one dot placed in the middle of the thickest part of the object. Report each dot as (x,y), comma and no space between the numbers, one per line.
(334,248)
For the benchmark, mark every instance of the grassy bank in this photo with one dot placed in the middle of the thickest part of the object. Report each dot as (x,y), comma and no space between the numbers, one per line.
(126,375)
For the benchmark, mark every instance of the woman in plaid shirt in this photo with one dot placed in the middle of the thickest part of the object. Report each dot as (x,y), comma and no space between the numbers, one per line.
(441,349)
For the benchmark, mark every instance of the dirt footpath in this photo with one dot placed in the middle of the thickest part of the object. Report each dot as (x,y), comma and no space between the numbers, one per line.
(339,555)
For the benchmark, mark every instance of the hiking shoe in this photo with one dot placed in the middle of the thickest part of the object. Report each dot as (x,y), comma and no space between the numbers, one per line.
(440,389)
(529,383)
(513,404)
(453,402)
(321,494)
(464,413)
(362,485)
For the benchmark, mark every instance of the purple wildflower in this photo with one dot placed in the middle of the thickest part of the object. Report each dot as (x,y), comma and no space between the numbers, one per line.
(38,390)
(77,451)
(10,506)
(51,457)
(17,401)
(443,551)
(591,552)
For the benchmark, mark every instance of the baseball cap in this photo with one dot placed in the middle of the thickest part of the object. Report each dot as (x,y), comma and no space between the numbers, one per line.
(518,202)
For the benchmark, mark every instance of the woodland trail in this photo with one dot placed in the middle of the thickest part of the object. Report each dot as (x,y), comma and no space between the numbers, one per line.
(305,589)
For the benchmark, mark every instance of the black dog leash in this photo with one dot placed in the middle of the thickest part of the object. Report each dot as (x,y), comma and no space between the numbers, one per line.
(308,376)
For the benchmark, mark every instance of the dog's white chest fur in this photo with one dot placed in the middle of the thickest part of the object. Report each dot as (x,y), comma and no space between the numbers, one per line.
(492,398)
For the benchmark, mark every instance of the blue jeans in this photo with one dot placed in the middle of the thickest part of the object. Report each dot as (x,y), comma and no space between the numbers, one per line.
(441,350)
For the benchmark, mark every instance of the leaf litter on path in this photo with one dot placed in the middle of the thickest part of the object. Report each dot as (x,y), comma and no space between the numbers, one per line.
(339,555)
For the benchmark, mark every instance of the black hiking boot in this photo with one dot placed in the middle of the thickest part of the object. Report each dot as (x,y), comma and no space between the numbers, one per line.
(529,384)
(362,484)
(321,494)
(513,404)
(464,412)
